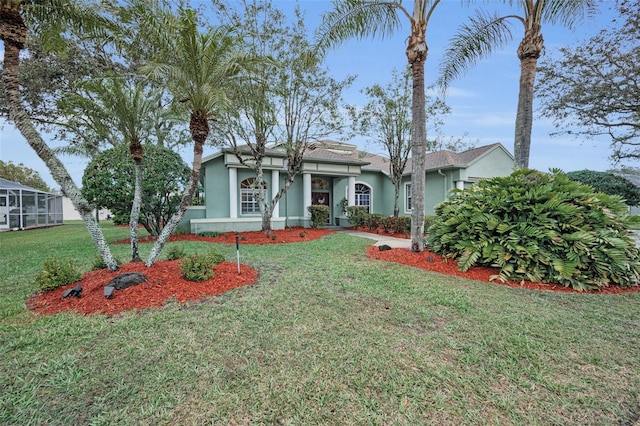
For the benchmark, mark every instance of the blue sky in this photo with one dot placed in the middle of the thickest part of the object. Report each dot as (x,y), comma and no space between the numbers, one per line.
(483,101)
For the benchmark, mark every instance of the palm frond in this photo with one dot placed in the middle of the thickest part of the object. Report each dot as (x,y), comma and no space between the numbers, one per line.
(565,12)
(474,41)
(53,19)
(357,19)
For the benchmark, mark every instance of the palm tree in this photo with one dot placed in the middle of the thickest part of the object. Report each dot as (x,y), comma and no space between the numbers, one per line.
(198,69)
(364,18)
(127,105)
(54,17)
(485,33)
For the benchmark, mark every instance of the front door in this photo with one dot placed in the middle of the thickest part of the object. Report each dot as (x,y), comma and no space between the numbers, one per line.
(4,210)
(321,198)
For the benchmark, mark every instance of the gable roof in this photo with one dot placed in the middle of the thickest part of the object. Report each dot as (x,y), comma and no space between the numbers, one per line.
(448,159)
(337,152)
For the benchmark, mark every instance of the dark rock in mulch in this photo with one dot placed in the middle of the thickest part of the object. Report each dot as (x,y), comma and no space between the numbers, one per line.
(384,247)
(127,280)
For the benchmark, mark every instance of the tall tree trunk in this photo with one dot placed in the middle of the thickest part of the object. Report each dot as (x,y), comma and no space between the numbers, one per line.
(14,38)
(529,51)
(417,55)
(418,152)
(199,128)
(266,220)
(135,211)
(524,116)
(396,198)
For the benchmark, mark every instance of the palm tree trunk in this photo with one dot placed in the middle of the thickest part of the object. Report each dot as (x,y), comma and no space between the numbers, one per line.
(199,128)
(529,50)
(135,212)
(418,152)
(524,116)
(22,121)
(417,55)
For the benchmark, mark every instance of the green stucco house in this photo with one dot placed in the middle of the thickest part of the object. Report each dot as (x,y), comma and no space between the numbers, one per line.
(331,172)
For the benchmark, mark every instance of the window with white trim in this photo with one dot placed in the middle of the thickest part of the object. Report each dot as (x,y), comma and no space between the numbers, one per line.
(249,196)
(363,196)
(407,197)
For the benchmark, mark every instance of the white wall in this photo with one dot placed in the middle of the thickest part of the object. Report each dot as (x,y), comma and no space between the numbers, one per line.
(70,213)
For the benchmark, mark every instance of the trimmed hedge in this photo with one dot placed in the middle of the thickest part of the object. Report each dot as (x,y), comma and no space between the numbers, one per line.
(538,227)
(319,215)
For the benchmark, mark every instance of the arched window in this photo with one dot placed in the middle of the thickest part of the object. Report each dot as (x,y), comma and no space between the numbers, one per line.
(249,196)
(319,184)
(363,196)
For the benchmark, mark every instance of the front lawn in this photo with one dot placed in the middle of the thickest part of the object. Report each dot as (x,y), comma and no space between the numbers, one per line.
(327,336)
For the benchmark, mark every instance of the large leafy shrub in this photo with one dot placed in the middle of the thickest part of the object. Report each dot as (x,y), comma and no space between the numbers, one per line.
(56,273)
(538,227)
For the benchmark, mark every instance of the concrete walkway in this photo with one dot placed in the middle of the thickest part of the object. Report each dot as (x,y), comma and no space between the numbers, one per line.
(380,239)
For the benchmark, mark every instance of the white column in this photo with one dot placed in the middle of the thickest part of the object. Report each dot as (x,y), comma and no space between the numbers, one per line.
(233,192)
(275,187)
(306,193)
(351,191)
(459,184)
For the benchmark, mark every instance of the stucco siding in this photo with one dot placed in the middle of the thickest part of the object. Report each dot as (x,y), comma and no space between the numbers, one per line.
(493,164)
(216,184)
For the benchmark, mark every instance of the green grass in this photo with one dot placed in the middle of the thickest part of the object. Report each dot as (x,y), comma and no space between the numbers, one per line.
(327,336)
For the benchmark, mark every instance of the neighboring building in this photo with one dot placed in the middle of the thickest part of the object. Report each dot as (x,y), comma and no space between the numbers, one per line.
(70,212)
(24,207)
(331,171)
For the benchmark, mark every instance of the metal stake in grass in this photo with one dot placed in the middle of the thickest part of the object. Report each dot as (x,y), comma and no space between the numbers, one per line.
(238,253)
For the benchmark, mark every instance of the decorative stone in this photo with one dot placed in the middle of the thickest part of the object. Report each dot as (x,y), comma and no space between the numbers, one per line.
(127,279)
(384,247)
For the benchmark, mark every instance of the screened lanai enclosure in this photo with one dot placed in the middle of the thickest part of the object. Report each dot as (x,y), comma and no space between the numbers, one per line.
(24,207)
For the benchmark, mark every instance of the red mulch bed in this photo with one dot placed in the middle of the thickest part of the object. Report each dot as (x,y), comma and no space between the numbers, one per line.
(165,282)
(164,278)
(289,235)
(480,273)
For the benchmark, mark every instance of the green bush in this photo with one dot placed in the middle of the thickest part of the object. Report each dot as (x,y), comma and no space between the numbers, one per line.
(397,225)
(215,257)
(389,224)
(199,267)
(120,218)
(99,263)
(538,227)
(373,221)
(56,273)
(209,234)
(319,215)
(402,225)
(357,215)
(609,184)
(175,252)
